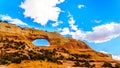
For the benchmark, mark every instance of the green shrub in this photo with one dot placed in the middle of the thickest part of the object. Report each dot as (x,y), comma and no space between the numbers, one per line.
(5,62)
(64,50)
(61,57)
(59,62)
(70,58)
(92,66)
(107,64)
(1,39)
(83,60)
(86,64)
(91,61)
(11,41)
(7,46)
(12,58)
(19,45)
(76,63)
(117,65)
(81,56)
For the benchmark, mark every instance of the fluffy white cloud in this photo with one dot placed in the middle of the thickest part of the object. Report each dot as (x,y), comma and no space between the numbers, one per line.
(99,34)
(12,20)
(56,23)
(72,22)
(41,10)
(116,57)
(103,33)
(78,34)
(65,31)
(81,6)
(59,29)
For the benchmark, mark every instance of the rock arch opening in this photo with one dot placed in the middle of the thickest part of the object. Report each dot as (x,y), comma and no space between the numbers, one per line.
(41,42)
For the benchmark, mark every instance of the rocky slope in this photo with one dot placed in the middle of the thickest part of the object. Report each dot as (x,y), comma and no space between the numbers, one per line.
(14,39)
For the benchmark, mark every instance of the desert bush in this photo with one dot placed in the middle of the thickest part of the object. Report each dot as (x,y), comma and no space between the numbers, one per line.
(83,60)
(19,45)
(71,59)
(91,61)
(86,64)
(5,62)
(107,64)
(83,64)
(6,40)
(12,58)
(64,50)
(0,40)
(92,66)
(11,41)
(81,56)
(59,62)
(61,57)
(77,64)
(7,46)
(117,65)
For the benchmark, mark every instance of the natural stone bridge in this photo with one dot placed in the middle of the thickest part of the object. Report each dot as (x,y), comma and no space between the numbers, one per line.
(29,34)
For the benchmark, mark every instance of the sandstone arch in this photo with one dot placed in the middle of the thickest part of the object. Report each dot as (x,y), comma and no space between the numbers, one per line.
(56,40)
(27,35)
(30,34)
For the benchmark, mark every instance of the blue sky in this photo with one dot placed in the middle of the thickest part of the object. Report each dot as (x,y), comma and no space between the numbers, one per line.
(97,22)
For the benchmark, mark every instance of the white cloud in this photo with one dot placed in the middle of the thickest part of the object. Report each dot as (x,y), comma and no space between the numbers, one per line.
(103,33)
(13,20)
(72,22)
(116,57)
(65,31)
(42,10)
(59,29)
(81,6)
(99,34)
(78,34)
(97,21)
(56,23)
(74,27)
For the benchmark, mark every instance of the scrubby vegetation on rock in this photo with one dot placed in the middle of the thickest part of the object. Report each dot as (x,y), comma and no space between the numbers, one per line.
(16,46)
(83,64)
(117,65)
(107,64)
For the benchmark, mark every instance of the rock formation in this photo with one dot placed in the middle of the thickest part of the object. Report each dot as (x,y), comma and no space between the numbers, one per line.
(56,40)
(28,35)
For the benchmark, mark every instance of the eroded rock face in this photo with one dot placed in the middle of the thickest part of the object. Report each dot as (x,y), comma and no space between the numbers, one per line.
(56,40)
(28,35)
